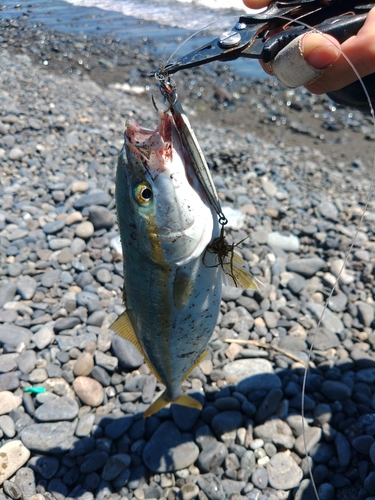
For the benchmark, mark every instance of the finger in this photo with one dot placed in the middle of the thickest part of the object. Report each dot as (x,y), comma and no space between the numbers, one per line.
(292,67)
(359,49)
(256,4)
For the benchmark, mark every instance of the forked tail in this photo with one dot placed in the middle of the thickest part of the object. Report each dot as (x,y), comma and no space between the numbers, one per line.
(162,401)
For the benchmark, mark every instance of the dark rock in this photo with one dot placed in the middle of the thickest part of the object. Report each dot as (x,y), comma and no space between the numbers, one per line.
(128,356)
(101,217)
(169,450)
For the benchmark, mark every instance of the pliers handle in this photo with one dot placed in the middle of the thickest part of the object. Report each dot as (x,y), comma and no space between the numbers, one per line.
(263,35)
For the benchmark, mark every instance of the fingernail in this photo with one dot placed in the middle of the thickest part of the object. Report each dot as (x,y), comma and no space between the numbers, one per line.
(322,57)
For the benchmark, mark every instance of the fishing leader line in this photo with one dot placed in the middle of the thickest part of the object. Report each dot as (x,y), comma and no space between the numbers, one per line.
(348,252)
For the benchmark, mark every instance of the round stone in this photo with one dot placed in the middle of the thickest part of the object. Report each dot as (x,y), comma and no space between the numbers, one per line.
(283,472)
(84,230)
(79,187)
(83,365)
(65,256)
(169,450)
(89,391)
(8,402)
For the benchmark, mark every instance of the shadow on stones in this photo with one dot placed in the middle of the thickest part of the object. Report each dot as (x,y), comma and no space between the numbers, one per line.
(338,411)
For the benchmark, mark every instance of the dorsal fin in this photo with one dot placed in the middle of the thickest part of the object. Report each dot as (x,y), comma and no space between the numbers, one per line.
(124,328)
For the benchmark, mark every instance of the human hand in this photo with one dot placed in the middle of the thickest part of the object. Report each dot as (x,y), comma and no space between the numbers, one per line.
(327,69)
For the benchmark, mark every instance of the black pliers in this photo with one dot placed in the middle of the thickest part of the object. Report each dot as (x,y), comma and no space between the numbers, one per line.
(263,35)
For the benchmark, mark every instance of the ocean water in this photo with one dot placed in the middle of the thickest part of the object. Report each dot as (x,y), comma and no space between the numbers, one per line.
(168,22)
(186,14)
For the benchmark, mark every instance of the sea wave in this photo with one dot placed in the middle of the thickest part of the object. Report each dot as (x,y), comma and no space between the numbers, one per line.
(188,14)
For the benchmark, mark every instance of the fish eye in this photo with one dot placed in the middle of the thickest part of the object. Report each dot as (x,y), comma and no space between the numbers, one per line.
(143,193)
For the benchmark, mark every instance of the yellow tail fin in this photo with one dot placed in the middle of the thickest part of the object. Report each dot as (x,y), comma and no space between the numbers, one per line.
(162,401)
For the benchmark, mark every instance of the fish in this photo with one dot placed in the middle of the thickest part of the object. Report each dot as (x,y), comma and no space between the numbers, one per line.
(166,223)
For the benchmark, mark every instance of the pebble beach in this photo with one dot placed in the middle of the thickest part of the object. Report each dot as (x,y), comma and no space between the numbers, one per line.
(293,173)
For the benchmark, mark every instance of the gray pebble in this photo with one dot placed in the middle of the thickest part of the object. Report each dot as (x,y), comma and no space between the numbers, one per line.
(326,491)
(169,450)
(26,287)
(45,466)
(212,456)
(185,418)
(53,438)
(84,425)
(101,217)
(365,313)
(25,479)
(306,267)
(8,362)
(64,408)
(26,361)
(330,321)
(128,356)
(12,490)
(118,427)
(363,443)
(344,453)
(259,478)
(328,210)
(335,390)
(88,200)
(306,441)
(280,241)
(337,303)
(7,292)
(82,447)
(189,491)
(54,227)
(94,461)
(59,488)
(211,487)
(269,405)
(108,362)
(115,465)
(51,278)
(14,335)
(225,422)
(7,426)
(101,375)
(283,472)
(277,432)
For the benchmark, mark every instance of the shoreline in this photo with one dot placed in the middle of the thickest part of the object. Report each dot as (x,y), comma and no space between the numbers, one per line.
(210,94)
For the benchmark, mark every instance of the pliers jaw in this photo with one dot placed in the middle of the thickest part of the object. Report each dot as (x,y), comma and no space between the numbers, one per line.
(228,46)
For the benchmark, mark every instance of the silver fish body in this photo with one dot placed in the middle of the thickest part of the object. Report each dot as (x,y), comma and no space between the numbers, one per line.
(172,285)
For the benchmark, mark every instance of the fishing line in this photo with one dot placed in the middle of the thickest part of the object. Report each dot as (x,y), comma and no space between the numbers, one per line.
(349,251)
(347,254)
(224,19)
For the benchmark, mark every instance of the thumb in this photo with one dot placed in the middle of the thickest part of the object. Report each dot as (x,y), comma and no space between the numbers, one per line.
(305,59)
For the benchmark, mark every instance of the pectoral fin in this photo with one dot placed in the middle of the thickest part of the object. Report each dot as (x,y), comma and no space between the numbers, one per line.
(162,401)
(124,328)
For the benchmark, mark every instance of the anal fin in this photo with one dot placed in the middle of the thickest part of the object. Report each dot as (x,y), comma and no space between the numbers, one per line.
(201,358)
(124,328)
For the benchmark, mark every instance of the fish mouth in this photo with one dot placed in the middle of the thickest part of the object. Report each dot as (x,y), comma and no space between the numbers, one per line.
(150,144)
